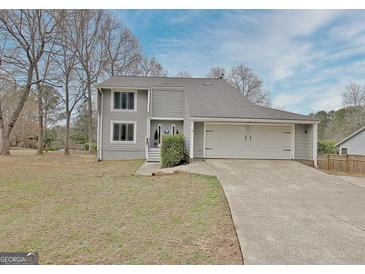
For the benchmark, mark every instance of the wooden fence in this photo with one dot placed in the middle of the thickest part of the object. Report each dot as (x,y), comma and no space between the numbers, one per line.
(354,164)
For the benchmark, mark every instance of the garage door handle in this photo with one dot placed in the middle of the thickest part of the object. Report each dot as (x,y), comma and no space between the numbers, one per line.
(287,149)
(208,148)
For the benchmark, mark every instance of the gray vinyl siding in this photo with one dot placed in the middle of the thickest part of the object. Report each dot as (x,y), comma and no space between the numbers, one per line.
(168,103)
(114,151)
(304,142)
(187,128)
(154,124)
(198,140)
(355,145)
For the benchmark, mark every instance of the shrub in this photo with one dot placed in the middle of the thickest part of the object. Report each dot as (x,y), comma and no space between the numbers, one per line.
(326,147)
(86,146)
(172,150)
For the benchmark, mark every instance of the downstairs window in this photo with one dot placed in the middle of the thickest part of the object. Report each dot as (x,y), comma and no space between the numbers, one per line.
(123,132)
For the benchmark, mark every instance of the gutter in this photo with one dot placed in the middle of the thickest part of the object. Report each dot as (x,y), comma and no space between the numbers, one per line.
(251,120)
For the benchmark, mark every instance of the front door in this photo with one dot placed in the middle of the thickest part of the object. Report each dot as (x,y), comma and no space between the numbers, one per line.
(165,129)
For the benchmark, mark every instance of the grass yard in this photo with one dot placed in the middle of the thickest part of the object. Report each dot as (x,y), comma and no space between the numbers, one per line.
(74,210)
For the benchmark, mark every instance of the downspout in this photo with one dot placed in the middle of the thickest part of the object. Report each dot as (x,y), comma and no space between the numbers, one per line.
(293,142)
(97,125)
(315,139)
(100,127)
(147,144)
(192,140)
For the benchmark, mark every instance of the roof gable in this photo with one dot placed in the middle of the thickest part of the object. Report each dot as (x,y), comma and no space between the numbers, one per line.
(350,136)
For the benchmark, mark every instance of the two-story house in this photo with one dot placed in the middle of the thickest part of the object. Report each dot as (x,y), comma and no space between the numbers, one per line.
(216,119)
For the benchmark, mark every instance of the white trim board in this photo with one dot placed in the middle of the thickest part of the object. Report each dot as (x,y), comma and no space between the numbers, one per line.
(167,118)
(100,126)
(204,136)
(315,140)
(97,122)
(248,124)
(192,140)
(261,121)
(293,141)
(121,88)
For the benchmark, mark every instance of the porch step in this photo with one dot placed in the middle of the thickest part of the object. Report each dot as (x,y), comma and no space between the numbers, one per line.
(154,155)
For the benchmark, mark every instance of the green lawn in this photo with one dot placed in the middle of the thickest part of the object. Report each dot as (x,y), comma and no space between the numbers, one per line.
(74,210)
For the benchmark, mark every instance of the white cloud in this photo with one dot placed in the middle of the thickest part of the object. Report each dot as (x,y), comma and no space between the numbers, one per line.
(266,41)
(305,57)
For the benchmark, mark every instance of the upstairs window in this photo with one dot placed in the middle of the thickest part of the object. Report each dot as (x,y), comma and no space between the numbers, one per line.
(124,100)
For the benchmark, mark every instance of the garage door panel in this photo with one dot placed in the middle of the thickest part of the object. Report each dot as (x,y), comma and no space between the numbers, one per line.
(248,141)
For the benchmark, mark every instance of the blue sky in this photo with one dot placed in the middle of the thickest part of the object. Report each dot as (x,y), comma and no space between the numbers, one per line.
(305,58)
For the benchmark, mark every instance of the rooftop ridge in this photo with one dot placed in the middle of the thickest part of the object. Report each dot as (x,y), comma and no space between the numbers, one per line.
(167,77)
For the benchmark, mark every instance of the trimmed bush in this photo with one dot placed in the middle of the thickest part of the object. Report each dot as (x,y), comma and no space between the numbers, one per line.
(172,150)
(326,147)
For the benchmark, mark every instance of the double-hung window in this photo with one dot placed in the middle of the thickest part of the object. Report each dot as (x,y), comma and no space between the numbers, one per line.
(124,100)
(123,132)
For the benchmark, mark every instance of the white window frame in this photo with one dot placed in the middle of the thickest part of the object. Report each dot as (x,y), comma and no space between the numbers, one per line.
(123,122)
(123,110)
(347,150)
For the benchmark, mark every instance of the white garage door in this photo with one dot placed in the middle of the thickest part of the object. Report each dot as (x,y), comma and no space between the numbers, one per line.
(248,141)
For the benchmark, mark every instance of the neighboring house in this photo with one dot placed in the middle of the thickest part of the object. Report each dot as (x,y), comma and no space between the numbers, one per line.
(216,119)
(353,144)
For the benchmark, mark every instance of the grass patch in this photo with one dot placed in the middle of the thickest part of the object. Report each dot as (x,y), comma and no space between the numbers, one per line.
(74,210)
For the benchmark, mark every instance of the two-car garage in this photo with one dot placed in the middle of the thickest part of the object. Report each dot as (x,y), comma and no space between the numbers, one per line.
(249,141)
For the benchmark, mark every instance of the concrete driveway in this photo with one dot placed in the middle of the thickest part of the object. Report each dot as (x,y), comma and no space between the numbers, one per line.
(288,213)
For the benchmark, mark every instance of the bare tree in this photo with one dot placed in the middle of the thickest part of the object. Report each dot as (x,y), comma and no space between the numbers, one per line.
(150,67)
(183,74)
(43,77)
(26,128)
(29,32)
(122,51)
(217,72)
(66,59)
(250,85)
(353,95)
(90,53)
(51,106)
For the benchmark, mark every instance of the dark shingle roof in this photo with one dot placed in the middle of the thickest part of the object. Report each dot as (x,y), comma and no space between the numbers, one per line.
(206,97)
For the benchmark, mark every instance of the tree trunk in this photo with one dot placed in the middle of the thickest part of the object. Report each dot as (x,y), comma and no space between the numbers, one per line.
(40,113)
(90,117)
(5,147)
(1,126)
(40,124)
(5,150)
(67,133)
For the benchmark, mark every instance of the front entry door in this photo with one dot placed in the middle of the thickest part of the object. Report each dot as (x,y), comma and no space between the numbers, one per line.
(165,129)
